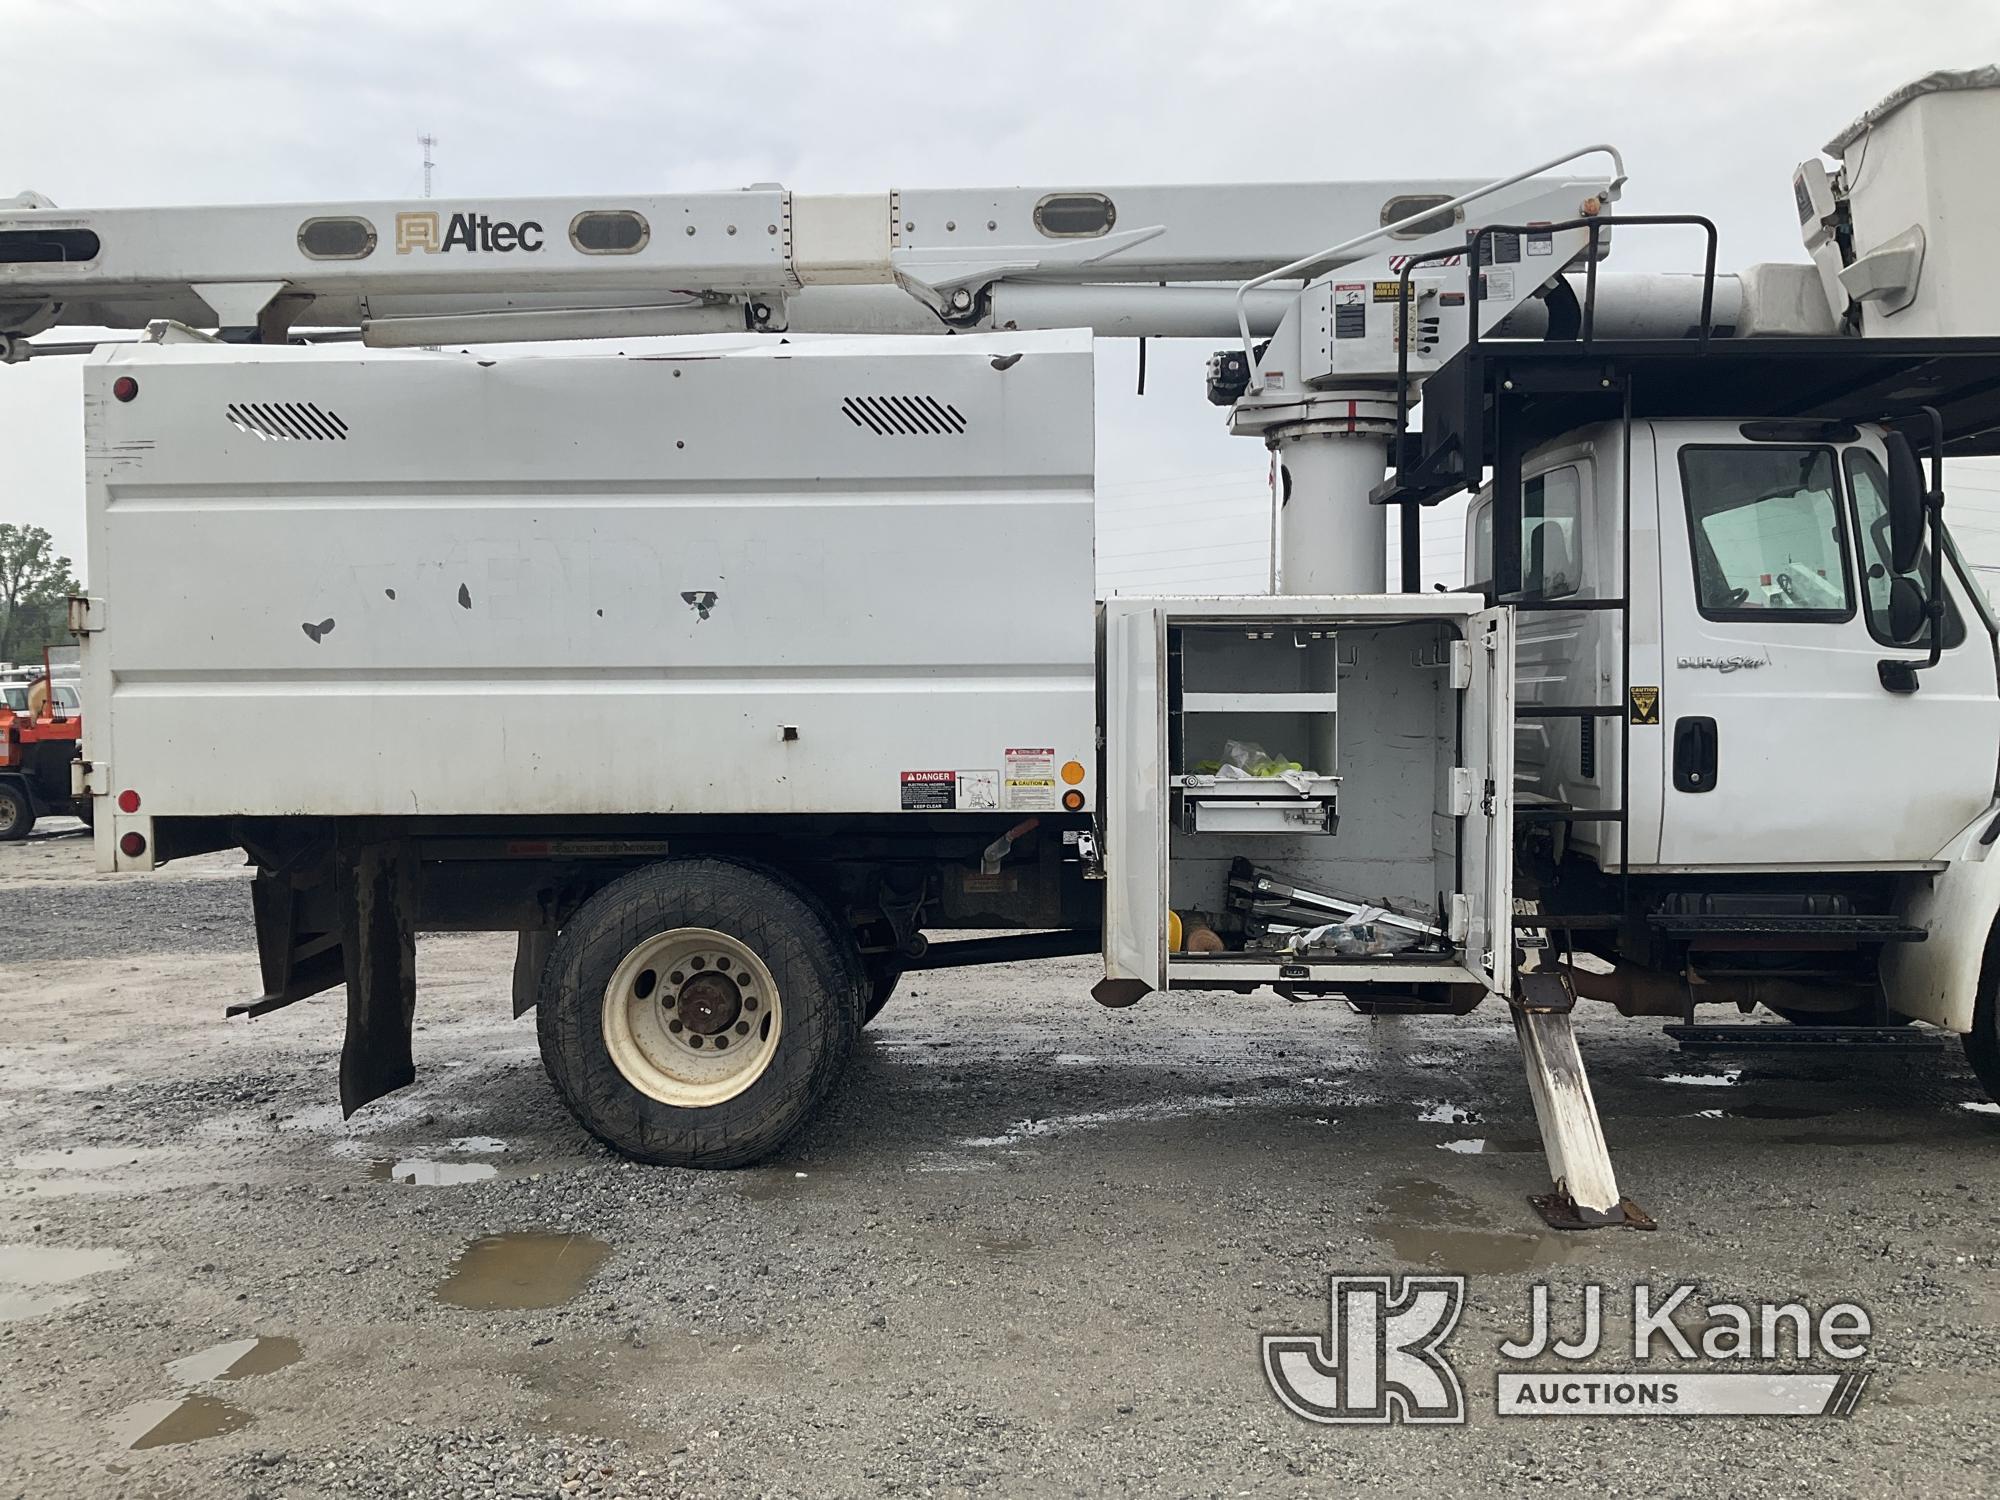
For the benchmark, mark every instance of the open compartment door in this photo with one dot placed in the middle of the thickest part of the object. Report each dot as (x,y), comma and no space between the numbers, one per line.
(1486,858)
(1134,801)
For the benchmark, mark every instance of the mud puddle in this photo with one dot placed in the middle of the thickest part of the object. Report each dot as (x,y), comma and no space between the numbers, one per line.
(36,1279)
(778,1183)
(1766,1112)
(523,1269)
(80,1159)
(238,1359)
(193,1416)
(1480,1145)
(1444,1112)
(444,1166)
(1004,1246)
(1428,1224)
(420,1171)
(173,1421)
(1723,1080)
(1839,1138)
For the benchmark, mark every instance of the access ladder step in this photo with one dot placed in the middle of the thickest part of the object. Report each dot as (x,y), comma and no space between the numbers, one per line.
(1788,1038)
(1547,814)
(1861,927)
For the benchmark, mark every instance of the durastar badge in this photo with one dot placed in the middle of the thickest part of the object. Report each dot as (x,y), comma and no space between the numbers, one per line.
(428,231)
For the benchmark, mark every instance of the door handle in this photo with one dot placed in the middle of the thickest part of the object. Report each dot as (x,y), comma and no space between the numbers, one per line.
(1695,754)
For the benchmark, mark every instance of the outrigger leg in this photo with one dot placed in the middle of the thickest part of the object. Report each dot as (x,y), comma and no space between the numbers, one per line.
(1585,1193)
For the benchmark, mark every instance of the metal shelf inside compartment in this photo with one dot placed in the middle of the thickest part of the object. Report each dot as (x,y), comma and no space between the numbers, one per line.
(1255,788)
(1302,702)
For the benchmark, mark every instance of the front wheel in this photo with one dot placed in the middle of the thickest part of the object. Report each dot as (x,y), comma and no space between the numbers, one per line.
(17,811)
(1982,1043)
(695,1012)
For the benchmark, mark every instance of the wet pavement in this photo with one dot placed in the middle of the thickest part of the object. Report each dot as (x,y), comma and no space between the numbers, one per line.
(1029,1250)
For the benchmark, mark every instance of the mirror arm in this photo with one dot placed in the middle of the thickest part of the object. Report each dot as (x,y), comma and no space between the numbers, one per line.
(1899,674)
(1934,509)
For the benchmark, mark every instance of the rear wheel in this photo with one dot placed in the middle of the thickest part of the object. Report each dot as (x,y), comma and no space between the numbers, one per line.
(695,1012)
(17,811)
(1982,1043)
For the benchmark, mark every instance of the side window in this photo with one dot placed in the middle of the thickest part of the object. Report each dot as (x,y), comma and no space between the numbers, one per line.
(1551,534)
(1765,526)
(1479,576)
(1871,533)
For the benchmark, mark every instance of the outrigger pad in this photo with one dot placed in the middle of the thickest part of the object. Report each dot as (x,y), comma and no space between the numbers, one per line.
(1560,1211)
(1116,994)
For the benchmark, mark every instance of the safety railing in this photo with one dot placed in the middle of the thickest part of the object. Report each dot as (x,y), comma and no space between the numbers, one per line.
(1311,265)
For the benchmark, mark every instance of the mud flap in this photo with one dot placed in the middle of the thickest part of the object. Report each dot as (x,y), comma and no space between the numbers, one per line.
(298,957)
(378,941)
(531,956)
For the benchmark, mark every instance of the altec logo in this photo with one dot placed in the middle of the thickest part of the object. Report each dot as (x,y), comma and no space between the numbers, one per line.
(430,232)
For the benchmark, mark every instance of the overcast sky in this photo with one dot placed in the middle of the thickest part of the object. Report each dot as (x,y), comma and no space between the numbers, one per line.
(121,102)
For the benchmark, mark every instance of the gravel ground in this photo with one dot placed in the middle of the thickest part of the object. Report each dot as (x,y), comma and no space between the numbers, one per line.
(1027,1250)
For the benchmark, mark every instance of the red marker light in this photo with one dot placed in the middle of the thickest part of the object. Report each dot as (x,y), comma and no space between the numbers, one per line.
(124,387)
(132,845)
(128,801)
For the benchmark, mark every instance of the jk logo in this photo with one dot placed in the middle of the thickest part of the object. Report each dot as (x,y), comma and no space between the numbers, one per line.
(1381,1360)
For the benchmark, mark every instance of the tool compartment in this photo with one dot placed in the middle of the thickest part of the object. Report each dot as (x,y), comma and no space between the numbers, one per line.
(1316,777)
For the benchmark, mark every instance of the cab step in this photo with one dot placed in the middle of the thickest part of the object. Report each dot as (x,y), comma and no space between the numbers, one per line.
(1766,1038)
(1859,927)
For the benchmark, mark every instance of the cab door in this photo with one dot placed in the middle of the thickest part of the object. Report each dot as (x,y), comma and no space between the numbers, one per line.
(1781,745)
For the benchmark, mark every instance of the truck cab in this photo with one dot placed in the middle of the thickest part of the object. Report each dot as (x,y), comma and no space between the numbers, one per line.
(1759,615)
(1791,789)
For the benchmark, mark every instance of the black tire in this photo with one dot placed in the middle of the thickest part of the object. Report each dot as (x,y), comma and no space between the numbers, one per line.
(1982,1043)
(17,811)
(883,976)
(812,960)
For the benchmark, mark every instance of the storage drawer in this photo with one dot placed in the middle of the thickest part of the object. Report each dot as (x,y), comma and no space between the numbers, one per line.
(1257,815)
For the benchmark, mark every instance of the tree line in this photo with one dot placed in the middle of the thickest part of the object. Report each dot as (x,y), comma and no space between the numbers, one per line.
(35,585)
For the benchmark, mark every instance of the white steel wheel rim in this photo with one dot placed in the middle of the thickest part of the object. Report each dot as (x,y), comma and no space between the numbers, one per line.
(692,1017)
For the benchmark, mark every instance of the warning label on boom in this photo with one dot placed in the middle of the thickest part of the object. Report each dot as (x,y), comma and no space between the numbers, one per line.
(1350,310)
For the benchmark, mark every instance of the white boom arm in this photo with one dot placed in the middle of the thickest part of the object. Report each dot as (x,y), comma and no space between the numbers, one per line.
(528,268)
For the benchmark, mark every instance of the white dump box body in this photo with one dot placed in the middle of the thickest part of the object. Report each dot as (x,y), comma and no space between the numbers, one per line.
(842,576)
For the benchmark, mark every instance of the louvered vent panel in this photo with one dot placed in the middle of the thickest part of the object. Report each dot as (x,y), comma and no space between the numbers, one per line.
(904,416)
(287,421)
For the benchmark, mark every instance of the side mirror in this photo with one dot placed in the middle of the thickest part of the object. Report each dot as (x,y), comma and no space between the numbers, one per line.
(1908,610)
(1906,506)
